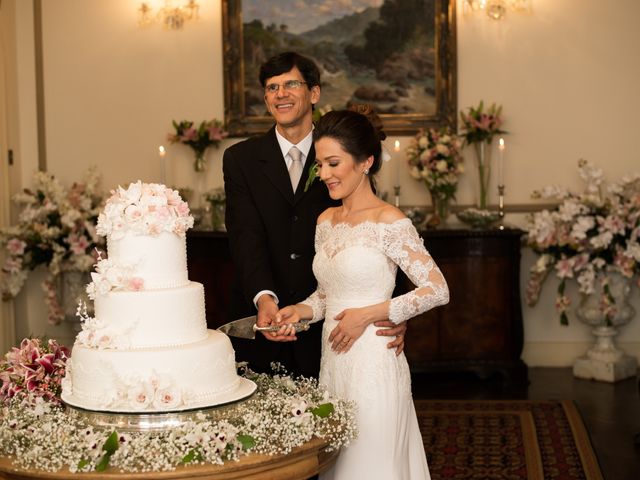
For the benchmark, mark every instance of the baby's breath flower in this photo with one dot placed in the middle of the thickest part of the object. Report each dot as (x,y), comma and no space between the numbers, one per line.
(275,420)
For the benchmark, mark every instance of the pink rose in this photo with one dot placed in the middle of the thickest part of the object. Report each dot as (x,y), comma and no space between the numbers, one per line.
(15,246)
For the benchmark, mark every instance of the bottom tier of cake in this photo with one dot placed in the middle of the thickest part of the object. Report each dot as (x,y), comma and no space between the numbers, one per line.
(196,375)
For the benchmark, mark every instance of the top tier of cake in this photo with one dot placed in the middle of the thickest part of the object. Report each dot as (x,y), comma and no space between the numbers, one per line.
(145,226)
(155,262)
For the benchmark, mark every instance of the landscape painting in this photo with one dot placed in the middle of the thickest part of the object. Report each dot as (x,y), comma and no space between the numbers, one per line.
(398,55)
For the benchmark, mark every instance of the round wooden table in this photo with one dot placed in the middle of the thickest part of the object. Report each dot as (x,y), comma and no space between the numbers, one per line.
(302,463)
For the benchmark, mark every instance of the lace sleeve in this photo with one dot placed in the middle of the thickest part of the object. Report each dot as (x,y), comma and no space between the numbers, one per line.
(317,300)
(404,246)
(317,303)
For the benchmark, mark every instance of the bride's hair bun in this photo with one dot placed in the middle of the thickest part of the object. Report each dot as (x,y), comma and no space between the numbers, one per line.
(369,112)
(359,131)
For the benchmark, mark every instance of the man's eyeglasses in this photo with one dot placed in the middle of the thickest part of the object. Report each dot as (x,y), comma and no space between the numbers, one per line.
(288,85)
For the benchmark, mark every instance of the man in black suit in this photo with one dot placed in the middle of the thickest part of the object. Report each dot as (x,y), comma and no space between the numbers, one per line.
(271,217)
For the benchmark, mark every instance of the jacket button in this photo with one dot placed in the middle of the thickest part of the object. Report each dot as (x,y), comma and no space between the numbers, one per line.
(293,256)
(295,218)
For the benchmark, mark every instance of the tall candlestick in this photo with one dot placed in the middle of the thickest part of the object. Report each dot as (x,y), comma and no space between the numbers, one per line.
(396,187)
(163,164)
(501,162)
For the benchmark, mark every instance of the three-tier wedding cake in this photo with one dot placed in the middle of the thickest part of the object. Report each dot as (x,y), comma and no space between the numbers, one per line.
(148,349)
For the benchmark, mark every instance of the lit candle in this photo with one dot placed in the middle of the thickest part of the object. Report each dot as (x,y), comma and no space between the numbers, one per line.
(501,162)
(396,148)
(163,164)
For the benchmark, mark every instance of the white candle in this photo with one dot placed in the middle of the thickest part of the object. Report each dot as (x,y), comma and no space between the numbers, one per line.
(163,164)
(396,149)
(501,162)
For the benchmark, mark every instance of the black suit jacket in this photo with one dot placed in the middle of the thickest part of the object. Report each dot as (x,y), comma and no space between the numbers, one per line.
(271,235)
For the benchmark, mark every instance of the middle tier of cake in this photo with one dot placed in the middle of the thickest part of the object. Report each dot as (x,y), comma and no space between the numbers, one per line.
(154,318)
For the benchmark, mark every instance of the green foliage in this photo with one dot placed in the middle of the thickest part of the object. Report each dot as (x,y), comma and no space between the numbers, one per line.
(194,455)
(398,23)
(247,441)
(110,446)
(323,410)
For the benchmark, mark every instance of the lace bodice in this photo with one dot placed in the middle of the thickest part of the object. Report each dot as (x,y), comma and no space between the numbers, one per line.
(356,266)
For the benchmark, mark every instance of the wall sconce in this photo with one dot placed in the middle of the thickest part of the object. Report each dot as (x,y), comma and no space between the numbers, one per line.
(172,18)
(496,9)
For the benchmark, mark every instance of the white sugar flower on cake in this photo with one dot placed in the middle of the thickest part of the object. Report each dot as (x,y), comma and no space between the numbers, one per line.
(144,208)
(97,334)
(110,276)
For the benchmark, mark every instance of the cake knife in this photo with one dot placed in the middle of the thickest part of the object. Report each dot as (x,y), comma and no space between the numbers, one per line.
(246,327)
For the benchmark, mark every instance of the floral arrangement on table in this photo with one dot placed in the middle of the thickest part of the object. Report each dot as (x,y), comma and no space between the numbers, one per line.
(33,371)
(587,235)
(284,413)
(208,133)
(217,201)
(434,158)
(144,208)
(479,127)
(216,196)
(56,228)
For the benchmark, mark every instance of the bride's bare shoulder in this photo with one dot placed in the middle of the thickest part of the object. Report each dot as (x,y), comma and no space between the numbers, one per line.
(389,214)
(326,215)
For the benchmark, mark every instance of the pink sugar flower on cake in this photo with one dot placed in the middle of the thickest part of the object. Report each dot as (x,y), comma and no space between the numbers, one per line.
(135,284)
(140,396)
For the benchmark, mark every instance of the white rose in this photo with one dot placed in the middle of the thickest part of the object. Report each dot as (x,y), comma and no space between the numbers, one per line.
(133,213)
(166,398)
(442,166)
(442,149)
(415,173)
(133,193)
(423,142)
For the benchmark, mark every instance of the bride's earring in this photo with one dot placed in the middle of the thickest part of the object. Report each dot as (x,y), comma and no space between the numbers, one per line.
(366,171)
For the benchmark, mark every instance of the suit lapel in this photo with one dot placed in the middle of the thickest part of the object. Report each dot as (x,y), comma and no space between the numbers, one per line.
(274,166)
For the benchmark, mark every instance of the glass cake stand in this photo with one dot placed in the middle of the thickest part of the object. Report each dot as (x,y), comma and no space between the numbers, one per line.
(156,421)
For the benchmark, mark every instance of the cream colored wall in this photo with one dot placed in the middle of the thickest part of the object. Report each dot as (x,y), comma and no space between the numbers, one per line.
(7,323)
(563,75)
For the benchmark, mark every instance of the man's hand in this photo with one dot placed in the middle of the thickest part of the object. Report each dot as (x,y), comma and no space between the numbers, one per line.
(393,330)
(267,310)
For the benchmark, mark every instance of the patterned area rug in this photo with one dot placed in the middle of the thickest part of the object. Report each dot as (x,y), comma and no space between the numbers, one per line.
(506,439)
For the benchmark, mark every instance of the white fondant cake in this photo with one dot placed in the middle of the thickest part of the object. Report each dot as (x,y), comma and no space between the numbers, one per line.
(148,348)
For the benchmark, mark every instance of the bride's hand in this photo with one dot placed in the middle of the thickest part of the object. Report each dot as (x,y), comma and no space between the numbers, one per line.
(286,317)
(352,323)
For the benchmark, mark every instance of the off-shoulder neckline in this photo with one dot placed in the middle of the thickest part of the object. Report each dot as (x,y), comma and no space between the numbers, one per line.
(366,222)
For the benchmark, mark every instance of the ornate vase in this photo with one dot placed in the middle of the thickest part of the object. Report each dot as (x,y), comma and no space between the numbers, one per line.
(604,360)
(441,205)
(217,217)
(200,164)
(483,167)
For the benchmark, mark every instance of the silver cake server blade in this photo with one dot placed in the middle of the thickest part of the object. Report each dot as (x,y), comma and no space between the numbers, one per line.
(246,327)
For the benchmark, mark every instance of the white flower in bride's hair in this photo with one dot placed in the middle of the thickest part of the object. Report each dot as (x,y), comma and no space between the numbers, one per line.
(385,156)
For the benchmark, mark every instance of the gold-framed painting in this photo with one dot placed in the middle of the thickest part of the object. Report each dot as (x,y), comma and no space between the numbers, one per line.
(398,55)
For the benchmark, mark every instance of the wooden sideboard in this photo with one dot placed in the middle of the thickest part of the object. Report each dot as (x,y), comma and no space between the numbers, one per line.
(480,330)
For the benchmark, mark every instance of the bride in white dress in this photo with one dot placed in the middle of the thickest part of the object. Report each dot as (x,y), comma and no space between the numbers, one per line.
(359,246)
